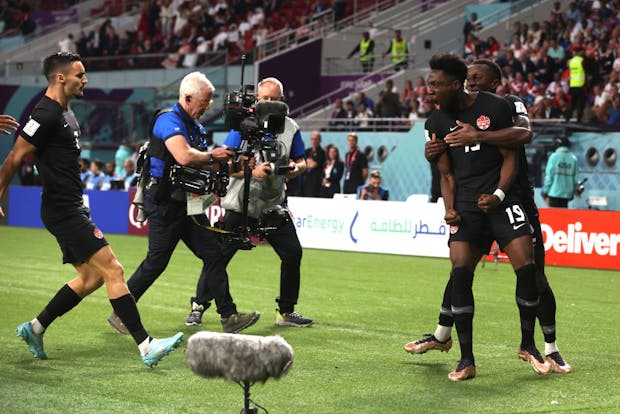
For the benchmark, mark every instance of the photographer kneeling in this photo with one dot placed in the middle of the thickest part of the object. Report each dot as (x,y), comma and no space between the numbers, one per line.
(177,141)
(266,191)
(373,190)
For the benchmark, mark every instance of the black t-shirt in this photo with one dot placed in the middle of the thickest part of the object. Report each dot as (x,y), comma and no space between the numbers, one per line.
(476,168)
(355,162)
(55,132)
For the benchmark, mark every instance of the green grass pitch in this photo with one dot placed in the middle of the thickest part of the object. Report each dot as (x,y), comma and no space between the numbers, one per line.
(366,307)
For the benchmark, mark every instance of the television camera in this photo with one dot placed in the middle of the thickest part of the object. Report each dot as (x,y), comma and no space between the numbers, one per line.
(258,123)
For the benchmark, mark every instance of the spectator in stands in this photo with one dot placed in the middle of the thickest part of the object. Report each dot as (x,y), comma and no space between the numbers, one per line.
(613,118)
(545,68)
(364,116)
(390,102)
(557,82)
(27,25)
(166,14)
(373,190)
(366,51)
(130,178)
(472,26)
(399,51)
(96,177)
(332,173)
(338,113)
(351,112)
(556,52)
(110,176)
(413,114)
(315,164)
(556,13)
(361,97)
(67,44)
(356,166)
(84,170)
(123,152)
(110,41)
(572,13)
(408,94)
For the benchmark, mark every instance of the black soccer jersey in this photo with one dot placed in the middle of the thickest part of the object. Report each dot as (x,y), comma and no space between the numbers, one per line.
(476,168)
(526,189)
(55,132)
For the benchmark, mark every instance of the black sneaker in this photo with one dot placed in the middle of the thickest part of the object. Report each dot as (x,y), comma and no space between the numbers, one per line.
(292,319)
(195,316)
(239,321)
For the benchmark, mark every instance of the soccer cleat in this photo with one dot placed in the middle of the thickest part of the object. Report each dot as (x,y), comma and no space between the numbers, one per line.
(558,365)
(159,348)
(428,343)
(531,355)
(292,319)
(118,325)
(34,341)
(464,370)
(239,321)
(195,316)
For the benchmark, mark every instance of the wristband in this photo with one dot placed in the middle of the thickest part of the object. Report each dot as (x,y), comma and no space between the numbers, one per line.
(500,194)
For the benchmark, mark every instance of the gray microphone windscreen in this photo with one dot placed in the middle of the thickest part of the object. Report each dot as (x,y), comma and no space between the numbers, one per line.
(238,357)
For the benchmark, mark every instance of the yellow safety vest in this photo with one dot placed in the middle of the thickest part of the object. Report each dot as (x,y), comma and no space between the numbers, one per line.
(399,51)
(577,73)
(363,48)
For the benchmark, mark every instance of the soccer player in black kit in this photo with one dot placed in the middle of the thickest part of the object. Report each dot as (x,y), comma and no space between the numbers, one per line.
(486,75)
(52,133)
(481,204)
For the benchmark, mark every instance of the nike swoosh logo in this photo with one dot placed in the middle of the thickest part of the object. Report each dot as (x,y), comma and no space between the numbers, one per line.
(517,227)
(454,128)
(65,125)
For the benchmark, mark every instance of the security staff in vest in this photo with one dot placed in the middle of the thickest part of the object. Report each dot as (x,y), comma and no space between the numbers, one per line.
(267,190)
(560,175)
(366,49)
(577,83)
(400,52)
(178,138)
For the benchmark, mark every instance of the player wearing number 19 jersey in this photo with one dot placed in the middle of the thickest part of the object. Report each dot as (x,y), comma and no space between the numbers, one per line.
(476,213)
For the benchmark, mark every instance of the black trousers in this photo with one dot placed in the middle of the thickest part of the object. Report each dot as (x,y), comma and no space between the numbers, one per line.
(558,202)
(168,224)
(286,244)
(578,102)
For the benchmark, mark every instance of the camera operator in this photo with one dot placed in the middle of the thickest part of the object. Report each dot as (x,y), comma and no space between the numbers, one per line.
(267,190)
(373,190)
(178,138)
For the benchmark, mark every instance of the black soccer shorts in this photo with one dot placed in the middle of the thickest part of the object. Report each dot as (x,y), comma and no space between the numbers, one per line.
(505,223)
(78,237)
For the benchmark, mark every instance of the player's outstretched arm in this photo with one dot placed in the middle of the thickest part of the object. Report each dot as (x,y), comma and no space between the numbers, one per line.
(21,148)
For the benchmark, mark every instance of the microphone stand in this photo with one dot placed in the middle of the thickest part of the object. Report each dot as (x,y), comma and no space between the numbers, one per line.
(246,399)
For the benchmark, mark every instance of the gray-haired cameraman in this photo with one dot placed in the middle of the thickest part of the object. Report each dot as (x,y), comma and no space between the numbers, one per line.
(267,190)
(178,139)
